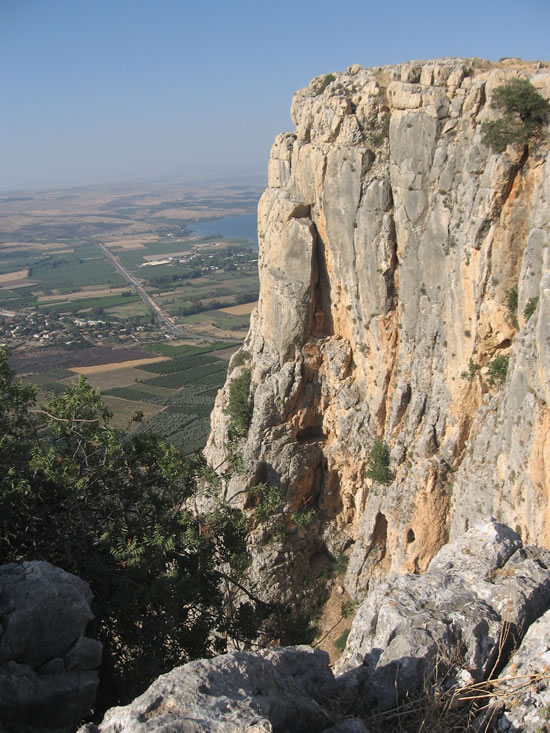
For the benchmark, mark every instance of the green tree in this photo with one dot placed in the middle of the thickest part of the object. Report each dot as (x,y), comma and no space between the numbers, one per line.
(498,370)
(17,430)
(378,467)
(524,111)
(239,406)
(114,509)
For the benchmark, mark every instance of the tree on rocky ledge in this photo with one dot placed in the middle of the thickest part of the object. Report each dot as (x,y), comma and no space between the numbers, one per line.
(524,112)
(114,509)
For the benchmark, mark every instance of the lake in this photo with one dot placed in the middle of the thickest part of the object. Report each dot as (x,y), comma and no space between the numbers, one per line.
(239,227)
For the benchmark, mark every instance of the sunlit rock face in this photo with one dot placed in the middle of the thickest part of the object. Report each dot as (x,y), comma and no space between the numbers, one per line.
(390,241)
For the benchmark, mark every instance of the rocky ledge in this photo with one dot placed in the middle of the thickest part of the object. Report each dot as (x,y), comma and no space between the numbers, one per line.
(48,668)
(423,638)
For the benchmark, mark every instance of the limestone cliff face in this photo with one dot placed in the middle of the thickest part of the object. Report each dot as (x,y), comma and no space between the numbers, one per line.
(390,239)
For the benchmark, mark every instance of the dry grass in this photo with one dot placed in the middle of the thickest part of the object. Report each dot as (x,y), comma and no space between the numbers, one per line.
(240,310)
(99,368)
(471,707)
(124,410)
(123,377)
(443,706)
(14,276)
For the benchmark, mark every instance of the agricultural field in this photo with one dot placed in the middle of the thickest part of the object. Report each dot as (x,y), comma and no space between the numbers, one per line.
(105,380)
(240,310)
(173,385)
(124,411)
(72,264)
(184,391)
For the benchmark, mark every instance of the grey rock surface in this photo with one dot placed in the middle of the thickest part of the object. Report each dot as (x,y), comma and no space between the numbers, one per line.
(275,690)
(390,238)
(525,683)
(48,668)
(479,594)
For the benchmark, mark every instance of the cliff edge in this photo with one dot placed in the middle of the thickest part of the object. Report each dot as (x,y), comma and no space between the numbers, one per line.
(404,305)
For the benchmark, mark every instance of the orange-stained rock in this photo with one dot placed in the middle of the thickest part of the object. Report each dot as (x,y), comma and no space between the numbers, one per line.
(390,240)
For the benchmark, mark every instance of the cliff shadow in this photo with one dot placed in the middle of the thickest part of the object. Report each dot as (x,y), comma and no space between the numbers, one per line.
(323,324)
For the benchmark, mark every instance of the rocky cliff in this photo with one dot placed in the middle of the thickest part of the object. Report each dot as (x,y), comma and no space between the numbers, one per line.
(424,653)
(399,258)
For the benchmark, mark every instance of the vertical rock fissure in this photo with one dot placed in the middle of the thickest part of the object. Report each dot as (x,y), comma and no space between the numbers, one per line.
(323,324)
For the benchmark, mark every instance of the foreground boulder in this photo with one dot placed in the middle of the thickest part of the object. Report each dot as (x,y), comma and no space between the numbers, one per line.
(272,690)
(48,668)
(478,596)
(466,613)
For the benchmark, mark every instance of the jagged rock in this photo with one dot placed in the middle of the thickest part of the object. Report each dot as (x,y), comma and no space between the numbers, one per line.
(274,690)
(467,612)
(524,683)
(48,669)
(390,237)
(477,597)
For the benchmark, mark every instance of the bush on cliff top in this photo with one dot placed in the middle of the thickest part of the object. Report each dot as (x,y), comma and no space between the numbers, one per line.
(327,79)
(524,112)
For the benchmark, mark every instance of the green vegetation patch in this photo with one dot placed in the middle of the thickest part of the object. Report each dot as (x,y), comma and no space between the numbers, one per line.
(178,363)
(498,369)
(341,641)
(19,298)
(323,84)
(190,375)
(220,319)
(524,111)
(165,423)
(530,307)
(239,406)
(188,349)
(378,467)
(135,394)
(70,271)
(74,306)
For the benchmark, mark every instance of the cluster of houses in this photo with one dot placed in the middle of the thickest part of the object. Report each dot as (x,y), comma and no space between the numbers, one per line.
(18,330)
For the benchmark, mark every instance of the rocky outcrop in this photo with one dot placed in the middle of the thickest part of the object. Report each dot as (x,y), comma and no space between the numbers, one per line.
(275,690)
(471,607)
(525,683)
(48,668)
(467,613)
(392,241)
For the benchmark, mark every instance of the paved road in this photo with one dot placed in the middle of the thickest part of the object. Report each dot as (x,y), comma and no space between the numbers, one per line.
(162,316)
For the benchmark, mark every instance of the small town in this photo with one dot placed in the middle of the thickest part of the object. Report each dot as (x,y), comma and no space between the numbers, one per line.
(21,330)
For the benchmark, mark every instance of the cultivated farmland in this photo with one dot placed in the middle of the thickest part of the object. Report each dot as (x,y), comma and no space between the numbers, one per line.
(66,310)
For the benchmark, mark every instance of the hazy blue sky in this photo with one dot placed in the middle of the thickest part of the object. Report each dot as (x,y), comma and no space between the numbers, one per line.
(113,90)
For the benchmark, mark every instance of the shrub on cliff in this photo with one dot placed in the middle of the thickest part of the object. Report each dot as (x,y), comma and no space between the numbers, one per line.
(239,407)
(498,369)
(378,467)
(323,84)
(524,112)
